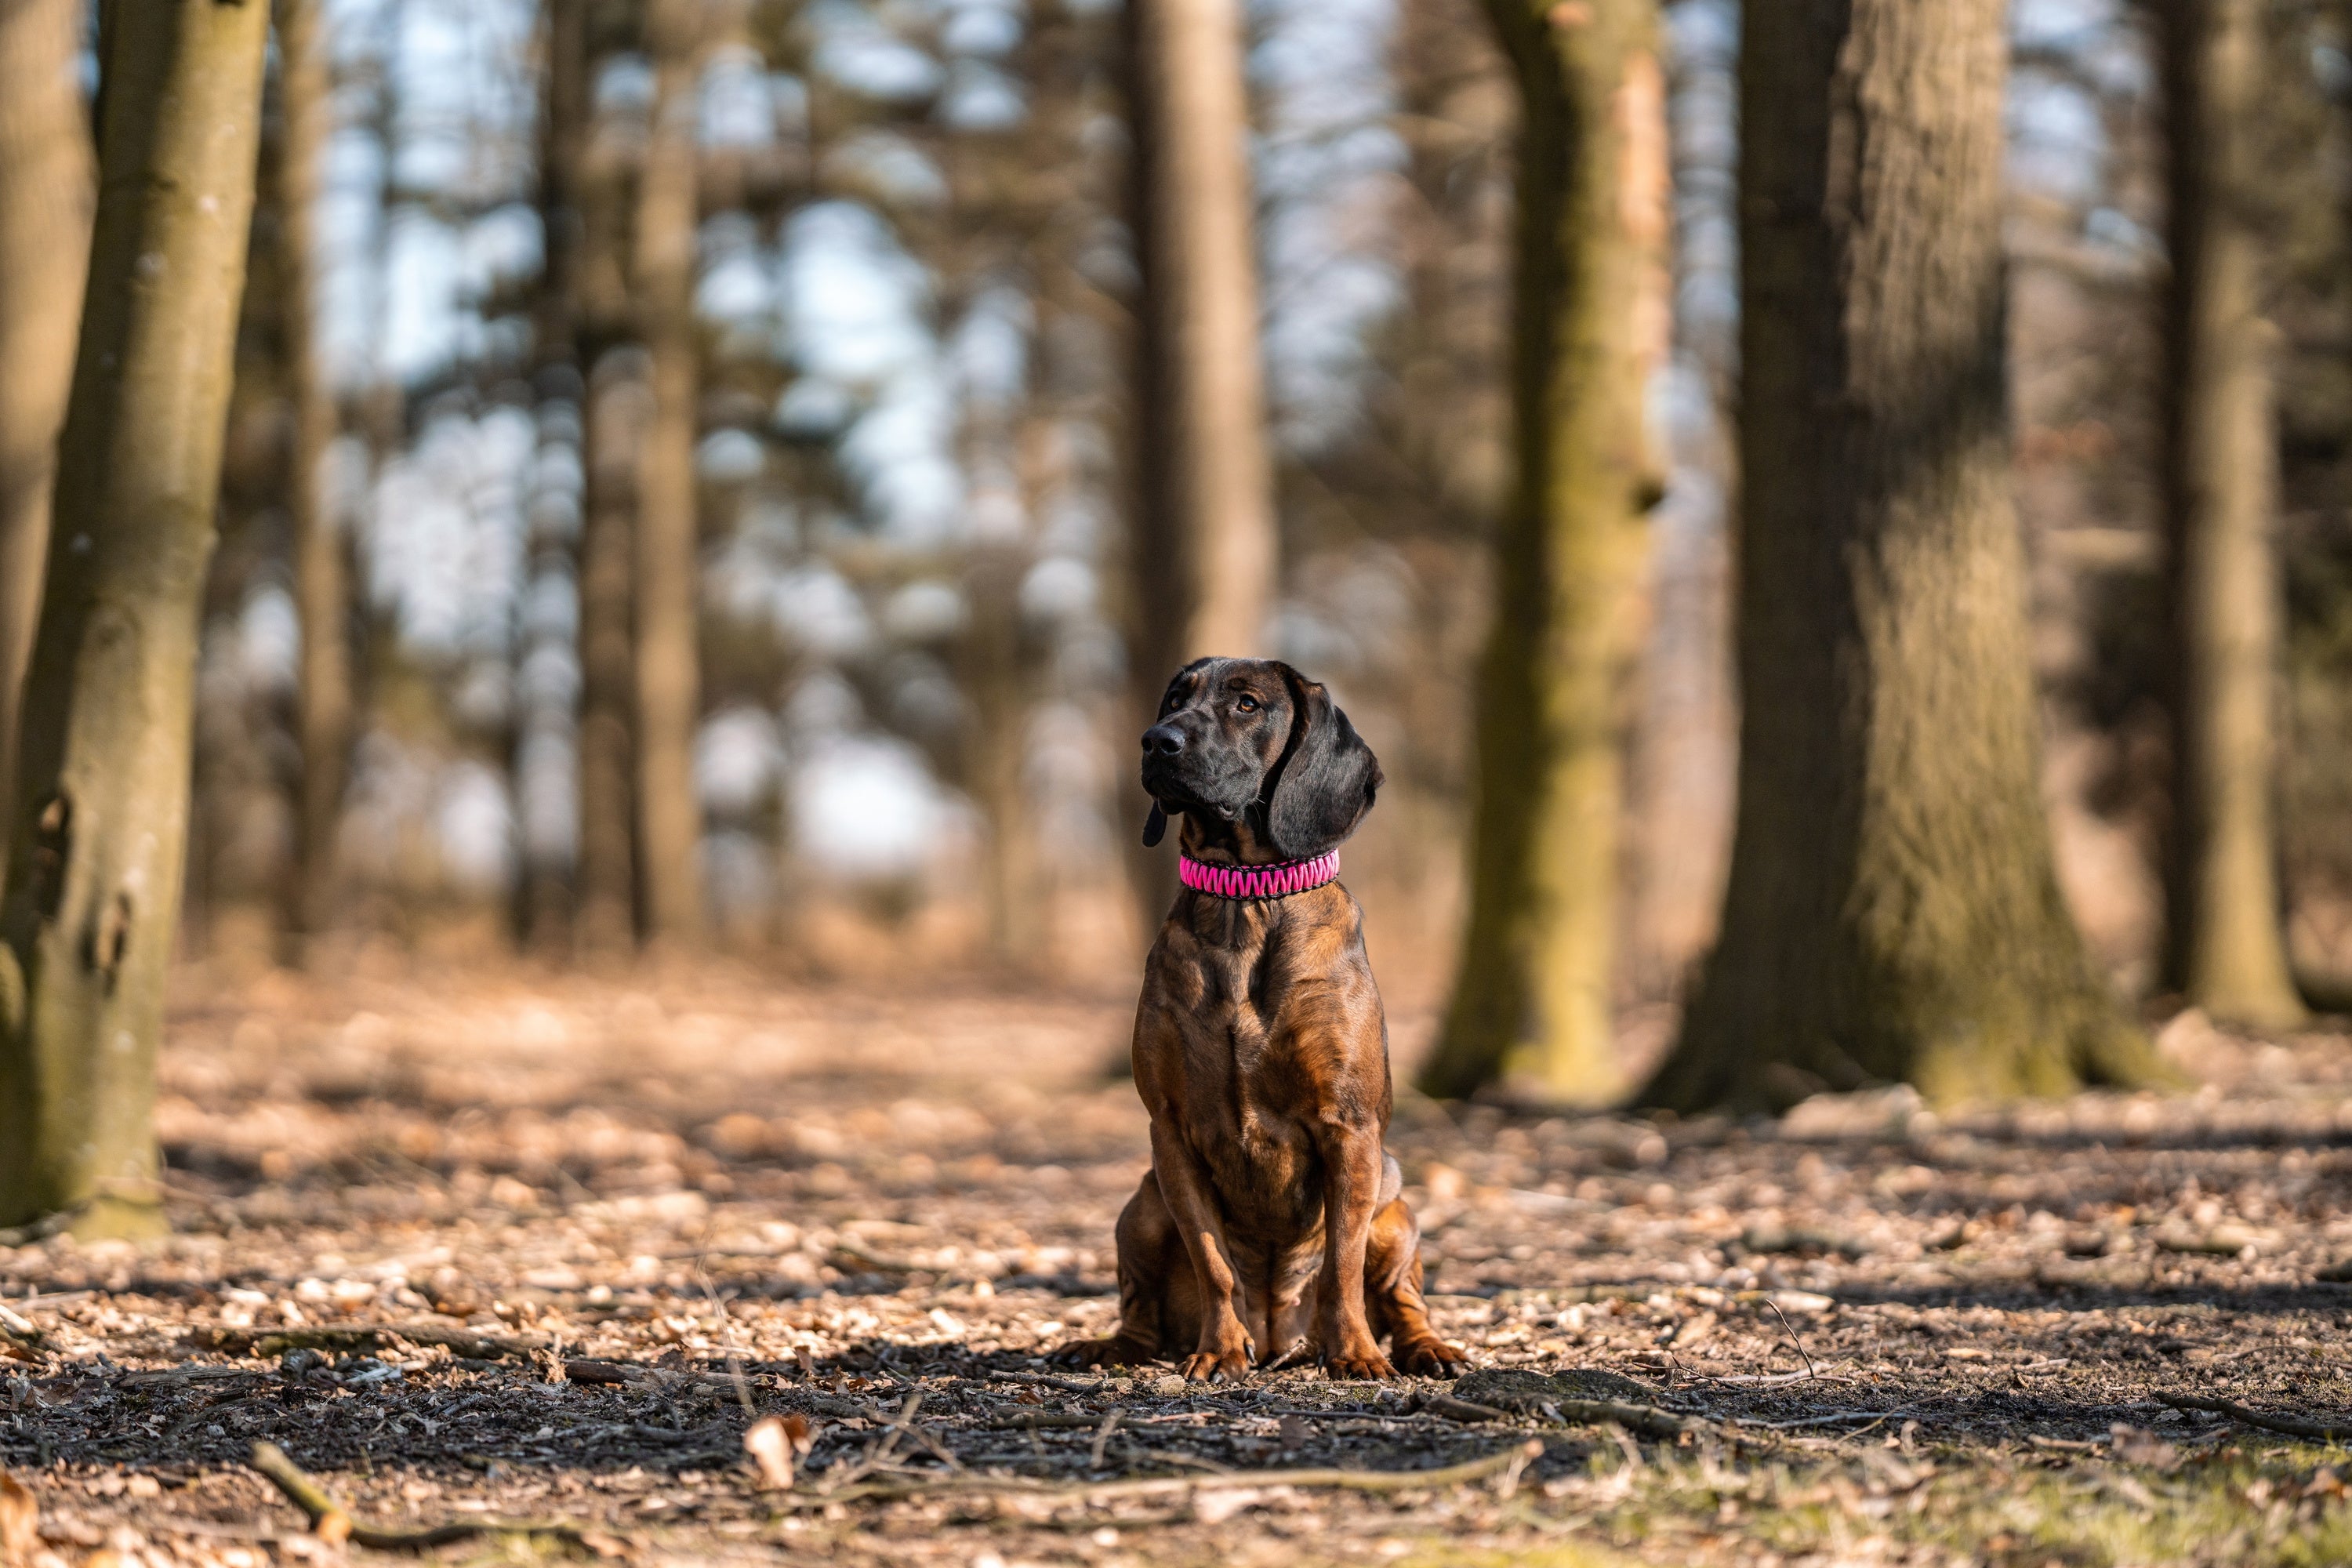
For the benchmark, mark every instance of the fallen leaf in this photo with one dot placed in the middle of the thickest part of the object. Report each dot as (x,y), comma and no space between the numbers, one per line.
(1220,1504)
(773,1442)
(20,1523)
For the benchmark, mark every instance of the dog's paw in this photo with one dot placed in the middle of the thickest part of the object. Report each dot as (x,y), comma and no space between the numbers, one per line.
(1431,1358)
(1366,1365)
(1215,1367)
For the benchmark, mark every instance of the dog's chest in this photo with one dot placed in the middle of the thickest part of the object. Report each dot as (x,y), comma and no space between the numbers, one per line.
(1260,1149)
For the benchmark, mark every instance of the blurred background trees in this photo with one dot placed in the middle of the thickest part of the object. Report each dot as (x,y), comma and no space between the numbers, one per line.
(733,477)
(2224,946)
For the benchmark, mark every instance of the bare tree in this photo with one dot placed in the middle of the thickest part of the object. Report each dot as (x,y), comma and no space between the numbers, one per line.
(1893,910)
(606,918)
(322,575)
(1204,544)
(597,312)
(45,206)
(2224,947)
(545,915)
(669,817)
(1531,999)
(98,825)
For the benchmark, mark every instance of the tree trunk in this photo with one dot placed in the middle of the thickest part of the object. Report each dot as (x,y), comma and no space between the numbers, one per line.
(612,428)
(1893,910)
(45,205)
(605,913)
(548,726)
(1204,547)
(669,817)
(1531,1001)
(1000,671)
(2224,948)
(99,827)
(322,575)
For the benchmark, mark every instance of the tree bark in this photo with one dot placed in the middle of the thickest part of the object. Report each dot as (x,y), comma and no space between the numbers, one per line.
(1000,672)
(45,213)
(99,827)
(2224,947)
(669,816)
(605,913)
(1531,1002)
(322,572)
(1893,910)
(1204,547)
(548,885)
(612,423)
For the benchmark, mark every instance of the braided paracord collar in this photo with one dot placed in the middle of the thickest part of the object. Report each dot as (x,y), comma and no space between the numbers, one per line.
(1279,881)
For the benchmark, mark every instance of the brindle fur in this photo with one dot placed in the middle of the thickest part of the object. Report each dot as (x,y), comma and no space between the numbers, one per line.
(1270,1224)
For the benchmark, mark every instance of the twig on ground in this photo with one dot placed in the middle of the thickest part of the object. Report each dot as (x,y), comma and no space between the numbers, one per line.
(1455,1409)
(1832,1418)
(1794,1338)
(1647,1419)
(369,1336)
(726,1330)
(2292,1425)
(879,1452)
(1162,1486)
(331,1522)
(1102,1438)
(1043,1421)
(1045,1380)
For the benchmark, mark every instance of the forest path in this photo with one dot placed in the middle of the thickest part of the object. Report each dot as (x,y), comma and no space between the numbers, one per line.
(1893,1338)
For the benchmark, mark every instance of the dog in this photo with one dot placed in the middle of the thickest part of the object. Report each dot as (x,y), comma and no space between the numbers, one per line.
(1270,1227)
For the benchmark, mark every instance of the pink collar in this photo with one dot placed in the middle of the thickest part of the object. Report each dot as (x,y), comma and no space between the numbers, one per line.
(1275,881)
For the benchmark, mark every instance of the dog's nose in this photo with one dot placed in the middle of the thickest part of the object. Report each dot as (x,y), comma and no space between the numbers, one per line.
(1162,741)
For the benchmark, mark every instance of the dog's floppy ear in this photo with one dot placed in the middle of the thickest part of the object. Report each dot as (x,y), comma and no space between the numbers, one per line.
(1326,778)
(1155,826)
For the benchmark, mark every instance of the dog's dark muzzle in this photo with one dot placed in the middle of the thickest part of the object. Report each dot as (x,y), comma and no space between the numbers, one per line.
(1178,769)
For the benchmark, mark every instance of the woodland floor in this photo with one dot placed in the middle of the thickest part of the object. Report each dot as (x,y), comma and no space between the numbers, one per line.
(476,1247)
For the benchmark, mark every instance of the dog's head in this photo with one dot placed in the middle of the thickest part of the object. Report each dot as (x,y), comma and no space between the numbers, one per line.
(1253,740)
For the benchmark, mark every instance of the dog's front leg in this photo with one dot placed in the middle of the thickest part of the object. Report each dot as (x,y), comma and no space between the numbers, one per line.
(1351,1163)
(1224,1352)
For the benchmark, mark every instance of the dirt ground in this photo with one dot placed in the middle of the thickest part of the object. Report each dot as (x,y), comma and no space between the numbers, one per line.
(489,1247)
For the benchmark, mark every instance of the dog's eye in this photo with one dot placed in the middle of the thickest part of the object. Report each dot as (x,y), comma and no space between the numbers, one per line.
(1246,703)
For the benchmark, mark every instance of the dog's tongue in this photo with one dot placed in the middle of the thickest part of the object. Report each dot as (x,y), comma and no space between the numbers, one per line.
(1155,826)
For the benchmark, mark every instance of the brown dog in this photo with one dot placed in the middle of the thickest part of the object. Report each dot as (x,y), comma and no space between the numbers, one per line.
(1270,1223)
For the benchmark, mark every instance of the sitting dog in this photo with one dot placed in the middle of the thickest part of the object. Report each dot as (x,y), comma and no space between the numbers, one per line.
(1270,1223)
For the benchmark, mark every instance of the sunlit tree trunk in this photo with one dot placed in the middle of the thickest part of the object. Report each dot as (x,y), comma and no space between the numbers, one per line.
(2225,950)
(1531,1000)
(1893,911)
(322,575)
(45,205)
(669,817)
(1204,544)
(99,827)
